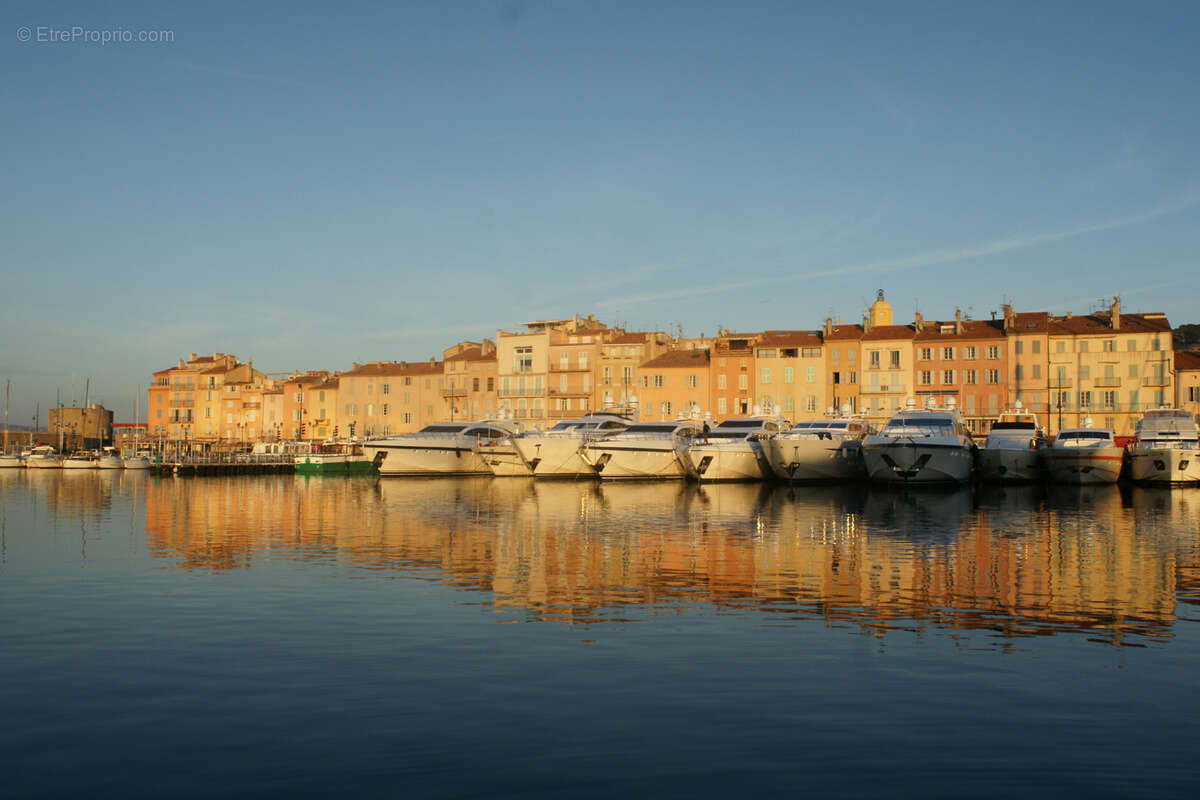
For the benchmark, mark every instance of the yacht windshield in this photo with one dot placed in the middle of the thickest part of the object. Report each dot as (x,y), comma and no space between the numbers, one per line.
(926,423)
(740,423)
(442,429)
(649,428)
(1066,435)
(565,426)
(1014,426)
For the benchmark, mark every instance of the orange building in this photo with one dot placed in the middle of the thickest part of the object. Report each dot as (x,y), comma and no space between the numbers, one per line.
(1187,382)
(733,384)
(1027,336)
(965,361)
(674,383)
(386,398)
(184,401)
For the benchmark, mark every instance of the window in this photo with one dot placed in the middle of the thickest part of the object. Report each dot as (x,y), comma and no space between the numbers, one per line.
(721,381)
(873,358)
(926,354)
(1062,399)
(1019,347)
(948,377)
(947,353)
(742,381)
(992,376)
(1133,370)
(970,376)
(562,383)
(1155,344)
(1134,405)
(523,359)
(789,374)
(850,355)
(851,377)
(475,384)
(1085,372)
(1109,346)
(837,377)
(1083,345)
(1037,346)
(1060,346)
(1085,399)
(660,380)
(627,376)
(299,397)
(835,358)
(564,361)
(1037,370)
(810,352)
(1193,394)
(1020,372)
(810,402)
(1131,346)
(386,408)
(387,389)
(993,351)
(692,381)
(370,409)
(722,407)
(606,376)
(925,377)
(893,359)
(810,375)
(491,384)
(764,353)
(665,408)
(766,374)
(789,403)
(1108,400)
(583,360)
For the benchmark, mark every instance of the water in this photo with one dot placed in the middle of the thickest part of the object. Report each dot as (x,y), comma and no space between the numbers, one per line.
(481,637)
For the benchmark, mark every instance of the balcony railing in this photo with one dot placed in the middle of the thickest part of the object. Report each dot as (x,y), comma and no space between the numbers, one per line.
(1156,380)
(455,391)
(884,388)
(561,368)
(1107,381)
(251,404)
(534,392)
(1060,383)
(570,393)
(181,403)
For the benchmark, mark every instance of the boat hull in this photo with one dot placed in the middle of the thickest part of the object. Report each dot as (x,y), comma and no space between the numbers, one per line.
(333,465)
(1084,465)
(413,460)
(630,462)
(110,463)
(1004,464)
(10,462)
(137,462)
(553,456)
(43,463)
(909,463)
(732,461)
(814,459)
(72,463)
(503,460)
(1165,465)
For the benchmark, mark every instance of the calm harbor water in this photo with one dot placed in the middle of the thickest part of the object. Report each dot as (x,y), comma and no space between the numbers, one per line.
(484,637)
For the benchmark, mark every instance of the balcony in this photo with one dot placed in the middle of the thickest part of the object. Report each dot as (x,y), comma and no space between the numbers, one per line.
(181,403)
(883,388)
(535,392)
(1060,383)
(455,391)
(251,404)
(561,368)
(570,393)
(1156,380)
(1108,382)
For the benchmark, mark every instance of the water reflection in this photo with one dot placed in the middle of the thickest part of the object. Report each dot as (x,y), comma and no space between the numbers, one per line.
(1017,561)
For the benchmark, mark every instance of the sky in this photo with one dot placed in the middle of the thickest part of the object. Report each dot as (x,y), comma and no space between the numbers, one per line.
(309,185)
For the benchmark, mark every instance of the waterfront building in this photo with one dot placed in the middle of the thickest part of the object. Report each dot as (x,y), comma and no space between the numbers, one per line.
(184,401)
(1027,337)
(469,380)
(241,413)
(87,428)
(1187,382)
(963,360)
(674,383)
(842,343)
(733,384)
(300,405)
(1110,366)
(618,378)
(387,398)
(789,373)
(272,414)
(884,373)
(523,362)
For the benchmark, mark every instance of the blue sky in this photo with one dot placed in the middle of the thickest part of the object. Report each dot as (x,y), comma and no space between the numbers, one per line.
(309,186)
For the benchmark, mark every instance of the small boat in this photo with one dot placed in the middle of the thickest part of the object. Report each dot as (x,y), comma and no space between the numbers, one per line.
(138,461)
(1084,455)
(43,457)
(1166,448)
(819,450)
(334,458)
(446,448)
(643,450)
(10,460)
(554,452)
(732,451)
(7,459)
(1013,450)
(110,459)
(921,446)
(80,460)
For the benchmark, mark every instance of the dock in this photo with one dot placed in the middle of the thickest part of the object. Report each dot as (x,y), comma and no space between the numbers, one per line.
(212,464)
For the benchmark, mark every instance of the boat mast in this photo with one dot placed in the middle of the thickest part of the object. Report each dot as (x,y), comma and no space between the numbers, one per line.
(7,391)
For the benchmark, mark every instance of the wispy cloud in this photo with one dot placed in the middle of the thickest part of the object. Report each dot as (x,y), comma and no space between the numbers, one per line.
(402,333)
(241,75)
(919,260)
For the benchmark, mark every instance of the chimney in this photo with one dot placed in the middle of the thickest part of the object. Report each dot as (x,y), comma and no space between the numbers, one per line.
(192,357)
(918,322)
(958,325)
(866,323)
(828,329)
(487,347)
(1010,318)
(1116,312)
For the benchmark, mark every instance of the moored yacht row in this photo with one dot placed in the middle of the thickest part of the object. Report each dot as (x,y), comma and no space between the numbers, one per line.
(917,446)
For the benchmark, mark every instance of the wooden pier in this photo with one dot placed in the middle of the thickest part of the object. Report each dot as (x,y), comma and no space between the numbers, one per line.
(211,464)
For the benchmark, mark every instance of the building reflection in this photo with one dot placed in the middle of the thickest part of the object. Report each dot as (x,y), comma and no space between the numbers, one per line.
(1016,561)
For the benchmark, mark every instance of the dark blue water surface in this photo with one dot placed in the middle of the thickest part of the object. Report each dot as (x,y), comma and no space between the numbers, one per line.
(270,636)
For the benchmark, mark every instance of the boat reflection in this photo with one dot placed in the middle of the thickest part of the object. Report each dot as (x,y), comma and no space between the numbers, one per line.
(1013,560)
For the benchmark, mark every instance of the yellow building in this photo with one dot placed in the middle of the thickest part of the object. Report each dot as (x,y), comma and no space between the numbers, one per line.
(469,381)
(1109,366)
(387,398)
(523,363)
(790,373)
(1187,382)
(1027,336)
(618,376)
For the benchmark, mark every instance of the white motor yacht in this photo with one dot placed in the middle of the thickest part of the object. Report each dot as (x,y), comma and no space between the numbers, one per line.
(8,460)
(110,459)
(1166,448)
(920,446)
(1013,450)
(819,450)
(446,448)
(43,457)
(644,450)
(732,451)
(554,452)
(80,460)
(1084,455)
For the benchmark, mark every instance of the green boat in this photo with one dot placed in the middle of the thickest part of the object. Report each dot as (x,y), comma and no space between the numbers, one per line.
(334,459)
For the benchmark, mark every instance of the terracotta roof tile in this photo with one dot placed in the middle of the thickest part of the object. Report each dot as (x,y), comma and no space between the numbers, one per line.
(786,338)
(679,358)
(1100,324)
(972,329)
(1187,360)
(889,332)
(387,368)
